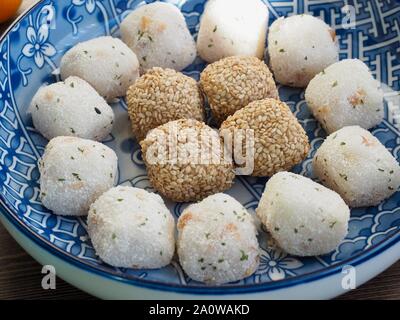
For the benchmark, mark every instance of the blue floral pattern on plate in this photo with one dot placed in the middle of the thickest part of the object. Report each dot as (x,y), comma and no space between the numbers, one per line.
(29,57)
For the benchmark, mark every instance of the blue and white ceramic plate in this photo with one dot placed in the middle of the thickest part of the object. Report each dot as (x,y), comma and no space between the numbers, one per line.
(29,57)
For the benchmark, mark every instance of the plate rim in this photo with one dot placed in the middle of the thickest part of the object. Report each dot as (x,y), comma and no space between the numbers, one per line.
(355,261)
(360,258)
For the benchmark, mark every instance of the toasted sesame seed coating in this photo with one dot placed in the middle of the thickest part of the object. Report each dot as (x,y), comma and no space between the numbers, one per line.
(280,142)
(161,96)
(187,178)
(232,83)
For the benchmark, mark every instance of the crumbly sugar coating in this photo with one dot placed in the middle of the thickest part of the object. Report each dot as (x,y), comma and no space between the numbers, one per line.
(188,165)
(345,94)
(74,172)
(105,62)
(217,241)
(356,165)
(71,108)
(280,141)
(232,83)
(158,34)
(300,47)
(132,228)
(239,30)
(161,96)
(303,217)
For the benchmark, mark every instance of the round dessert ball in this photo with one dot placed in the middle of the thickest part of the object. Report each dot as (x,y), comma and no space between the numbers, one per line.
(132,228)
(105,62)
(300,47)
(74,172)
(280,141)
(356,165)
(232,28)
(303,217)
(185,161)
(232,83)
(217,241)
(160,96)
(158,34)
(345,94)
(71,108)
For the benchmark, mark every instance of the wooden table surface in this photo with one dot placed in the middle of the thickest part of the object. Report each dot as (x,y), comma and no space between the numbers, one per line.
(20,275)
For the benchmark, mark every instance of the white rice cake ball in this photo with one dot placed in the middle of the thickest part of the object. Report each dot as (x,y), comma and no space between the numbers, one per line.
(345,94)
(300,47)
(105,62)
(71,108)
(232,28)
(355,164)
(217,241)
(132,228)
(74,172)
(158,34)
(303,217)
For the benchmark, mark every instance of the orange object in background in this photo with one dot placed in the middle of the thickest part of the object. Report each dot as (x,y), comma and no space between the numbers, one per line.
(8,9)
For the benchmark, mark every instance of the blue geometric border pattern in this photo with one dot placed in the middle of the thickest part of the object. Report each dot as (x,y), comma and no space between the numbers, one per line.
(29,57)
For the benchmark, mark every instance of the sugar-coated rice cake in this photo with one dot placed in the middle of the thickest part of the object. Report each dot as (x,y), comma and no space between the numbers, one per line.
(217,241)
(303,217)
(158,34)
(132,228)
(357,165)
(300,47)
(105,62)
(232,28)
(71,108)
(74,172)
(345,94)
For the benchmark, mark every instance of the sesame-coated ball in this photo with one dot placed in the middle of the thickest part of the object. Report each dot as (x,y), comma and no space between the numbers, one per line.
(184,161)
(280,142)
(161,96)
(232,83)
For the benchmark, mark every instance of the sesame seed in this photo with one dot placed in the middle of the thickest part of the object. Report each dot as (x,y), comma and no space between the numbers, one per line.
(151,98)
(223,80)
(182,181)
(280,142)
